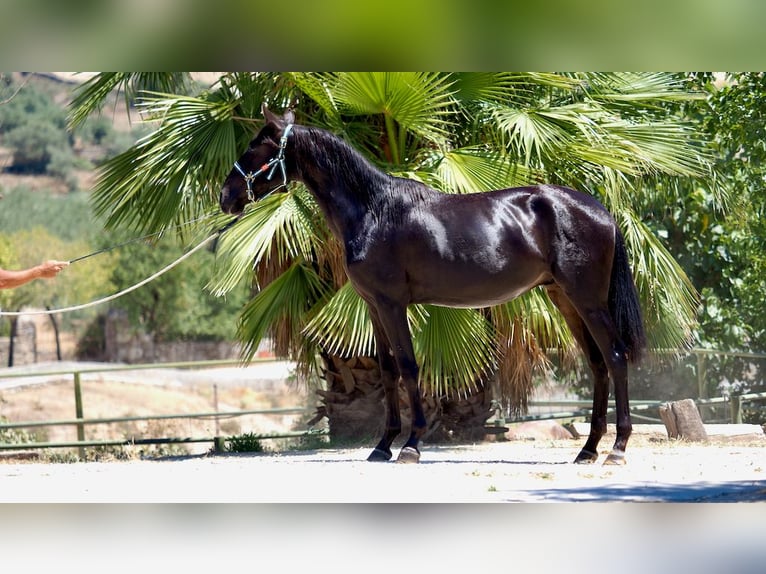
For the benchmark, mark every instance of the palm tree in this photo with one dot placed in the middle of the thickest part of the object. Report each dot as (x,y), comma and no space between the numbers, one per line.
(612,135)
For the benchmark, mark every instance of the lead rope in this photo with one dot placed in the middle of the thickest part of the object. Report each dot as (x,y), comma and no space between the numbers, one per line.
(116,295)
(137,239)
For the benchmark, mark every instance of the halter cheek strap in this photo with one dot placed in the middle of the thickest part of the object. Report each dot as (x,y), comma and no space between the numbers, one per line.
(270,165)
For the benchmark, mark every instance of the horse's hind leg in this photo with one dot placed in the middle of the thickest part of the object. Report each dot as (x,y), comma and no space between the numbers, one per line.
(601,327)
(589,452)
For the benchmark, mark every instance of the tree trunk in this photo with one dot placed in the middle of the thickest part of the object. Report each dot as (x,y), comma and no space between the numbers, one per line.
(355,410)
(55,332)
(464,419)
(11,339)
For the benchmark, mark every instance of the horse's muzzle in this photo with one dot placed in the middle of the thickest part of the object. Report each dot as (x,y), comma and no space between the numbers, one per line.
(227,204)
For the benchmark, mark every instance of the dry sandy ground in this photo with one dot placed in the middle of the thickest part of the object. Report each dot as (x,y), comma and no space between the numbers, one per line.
(604,534)
(514,471)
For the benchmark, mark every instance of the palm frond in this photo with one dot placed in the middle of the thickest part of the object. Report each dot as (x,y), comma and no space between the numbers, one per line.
(511,89)
(454,348)
(638,88)
(468,170)
(658,147)
(91,96)
(669,299)
(532,135)
(279,226)
(538,317)
(420,102)
(617,188)
(173,173)
(528,328)
(342,326)
(317,87)
(285,300)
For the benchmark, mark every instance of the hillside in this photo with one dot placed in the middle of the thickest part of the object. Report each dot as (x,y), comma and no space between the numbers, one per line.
(47,175)
(59,86)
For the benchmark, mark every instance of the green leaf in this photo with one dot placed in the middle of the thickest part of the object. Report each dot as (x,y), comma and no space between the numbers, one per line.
(454,348)
(473,169)
(533,135)
(91,96)
(289,297)
(420,102)
(342,326)
(669,299)
(281,226)
(181,165)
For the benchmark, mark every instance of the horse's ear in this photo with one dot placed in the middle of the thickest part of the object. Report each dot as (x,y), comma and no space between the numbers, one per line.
(270,118)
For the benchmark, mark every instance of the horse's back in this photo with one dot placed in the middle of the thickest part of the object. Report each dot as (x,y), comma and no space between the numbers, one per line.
(485,248)
(544,214)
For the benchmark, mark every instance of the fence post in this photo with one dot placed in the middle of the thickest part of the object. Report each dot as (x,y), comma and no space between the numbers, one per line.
(735,402)
(701,376)
(78,412)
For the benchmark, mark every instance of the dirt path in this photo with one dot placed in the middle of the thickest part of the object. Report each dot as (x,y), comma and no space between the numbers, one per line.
(517,471)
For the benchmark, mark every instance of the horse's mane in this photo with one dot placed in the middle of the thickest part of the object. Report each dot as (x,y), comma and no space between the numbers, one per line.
(340,162)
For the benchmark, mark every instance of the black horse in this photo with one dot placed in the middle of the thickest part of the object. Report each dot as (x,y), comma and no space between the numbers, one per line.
(406,243)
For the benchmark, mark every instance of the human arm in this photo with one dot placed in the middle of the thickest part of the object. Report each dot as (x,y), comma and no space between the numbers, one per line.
(45,270)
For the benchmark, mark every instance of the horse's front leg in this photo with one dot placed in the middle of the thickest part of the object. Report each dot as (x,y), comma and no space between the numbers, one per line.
(388,378)
(393,318)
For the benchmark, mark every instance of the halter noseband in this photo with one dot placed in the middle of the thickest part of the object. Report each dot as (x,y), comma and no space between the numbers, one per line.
(272,163)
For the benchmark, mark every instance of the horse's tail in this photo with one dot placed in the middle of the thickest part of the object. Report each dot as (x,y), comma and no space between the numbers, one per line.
(623,303)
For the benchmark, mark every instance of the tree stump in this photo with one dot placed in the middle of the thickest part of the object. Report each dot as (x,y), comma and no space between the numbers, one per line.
(682,420)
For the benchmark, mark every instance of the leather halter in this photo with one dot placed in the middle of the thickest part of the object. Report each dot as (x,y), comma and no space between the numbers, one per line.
(271,165)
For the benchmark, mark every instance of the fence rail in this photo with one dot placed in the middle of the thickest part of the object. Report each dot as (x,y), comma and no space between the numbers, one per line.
(583,407)
(80,422)
(573,409)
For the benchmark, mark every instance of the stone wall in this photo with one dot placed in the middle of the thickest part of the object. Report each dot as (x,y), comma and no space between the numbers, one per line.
(25,345)
(35,343)
(124,345)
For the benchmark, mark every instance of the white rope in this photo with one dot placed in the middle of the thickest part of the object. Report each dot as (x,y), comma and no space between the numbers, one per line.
(116,295)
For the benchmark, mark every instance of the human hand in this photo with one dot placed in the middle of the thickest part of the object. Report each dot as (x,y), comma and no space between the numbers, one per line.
(51,268)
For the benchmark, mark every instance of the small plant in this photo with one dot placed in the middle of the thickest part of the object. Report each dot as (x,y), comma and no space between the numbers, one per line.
(312,441)
(14,436)
(247,442)
(107,453)
(66,457)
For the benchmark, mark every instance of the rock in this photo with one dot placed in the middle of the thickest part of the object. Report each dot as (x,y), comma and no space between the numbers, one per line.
(682,420)
(537,430)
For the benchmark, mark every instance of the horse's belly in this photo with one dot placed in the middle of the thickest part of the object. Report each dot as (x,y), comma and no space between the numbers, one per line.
(473,291)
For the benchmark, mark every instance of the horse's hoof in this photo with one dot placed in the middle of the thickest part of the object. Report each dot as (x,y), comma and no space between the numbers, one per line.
(378,455)
(616,457)
(586,457)
(408,455)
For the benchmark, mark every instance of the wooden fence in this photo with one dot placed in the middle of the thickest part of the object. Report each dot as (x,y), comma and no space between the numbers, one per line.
(80,422)
(570,409)
(638,409)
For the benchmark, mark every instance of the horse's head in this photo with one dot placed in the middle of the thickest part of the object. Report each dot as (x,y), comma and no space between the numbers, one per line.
(261,169)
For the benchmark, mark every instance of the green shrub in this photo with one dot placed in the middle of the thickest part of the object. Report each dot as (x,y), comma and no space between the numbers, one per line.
(247,442)
(15,436)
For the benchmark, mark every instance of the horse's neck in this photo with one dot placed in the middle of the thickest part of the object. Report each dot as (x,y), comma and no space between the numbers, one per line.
(345,185)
